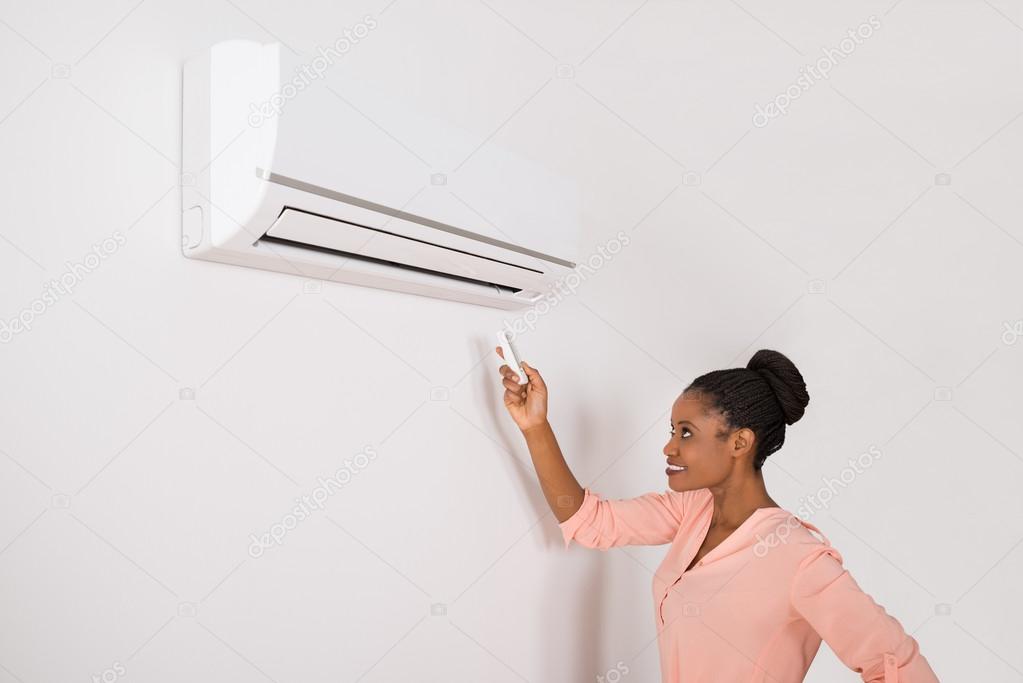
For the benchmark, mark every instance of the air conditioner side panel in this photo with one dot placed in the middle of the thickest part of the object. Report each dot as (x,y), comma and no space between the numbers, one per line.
(222,145)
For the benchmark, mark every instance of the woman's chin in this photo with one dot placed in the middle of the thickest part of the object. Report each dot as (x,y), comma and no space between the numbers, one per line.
(678,484)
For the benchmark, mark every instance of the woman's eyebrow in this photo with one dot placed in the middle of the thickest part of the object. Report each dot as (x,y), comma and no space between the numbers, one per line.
(688,423)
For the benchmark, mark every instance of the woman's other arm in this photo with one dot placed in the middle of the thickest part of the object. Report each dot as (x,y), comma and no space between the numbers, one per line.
(862,634)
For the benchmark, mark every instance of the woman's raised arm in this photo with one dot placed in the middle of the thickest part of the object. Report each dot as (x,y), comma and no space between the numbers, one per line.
(583,515)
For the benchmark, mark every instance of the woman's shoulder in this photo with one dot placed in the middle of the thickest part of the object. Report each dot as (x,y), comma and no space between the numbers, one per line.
(792,537)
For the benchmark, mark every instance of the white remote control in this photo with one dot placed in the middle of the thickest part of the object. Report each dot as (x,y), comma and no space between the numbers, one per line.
(510,357)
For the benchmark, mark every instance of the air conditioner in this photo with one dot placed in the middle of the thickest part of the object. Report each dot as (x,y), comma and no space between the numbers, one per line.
(284,172)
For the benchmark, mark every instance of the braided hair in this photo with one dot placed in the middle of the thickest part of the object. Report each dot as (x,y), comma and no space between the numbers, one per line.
(764,396)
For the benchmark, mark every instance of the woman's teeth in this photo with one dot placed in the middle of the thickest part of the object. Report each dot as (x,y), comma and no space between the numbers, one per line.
(677,468)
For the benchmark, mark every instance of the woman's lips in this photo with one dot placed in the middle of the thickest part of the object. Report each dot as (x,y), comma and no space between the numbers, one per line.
(670,469)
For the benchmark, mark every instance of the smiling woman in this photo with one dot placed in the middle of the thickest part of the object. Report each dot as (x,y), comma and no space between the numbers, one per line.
(725,608)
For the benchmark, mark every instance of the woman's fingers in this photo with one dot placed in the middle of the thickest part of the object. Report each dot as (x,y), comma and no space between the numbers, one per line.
(512,398)
(513,390)
(512,385)
(504,369)
(532,375)
(508,373)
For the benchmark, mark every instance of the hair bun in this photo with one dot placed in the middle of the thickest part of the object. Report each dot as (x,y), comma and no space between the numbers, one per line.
(785,381)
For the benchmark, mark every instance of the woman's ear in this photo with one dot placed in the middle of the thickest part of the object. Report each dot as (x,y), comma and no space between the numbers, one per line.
(743,440)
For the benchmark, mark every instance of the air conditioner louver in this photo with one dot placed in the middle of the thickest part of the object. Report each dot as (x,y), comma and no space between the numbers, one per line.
(304,229)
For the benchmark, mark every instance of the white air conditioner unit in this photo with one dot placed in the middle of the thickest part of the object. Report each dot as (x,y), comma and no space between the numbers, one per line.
(284,171)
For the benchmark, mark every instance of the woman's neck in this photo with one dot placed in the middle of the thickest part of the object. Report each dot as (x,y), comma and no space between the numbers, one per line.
(735,501)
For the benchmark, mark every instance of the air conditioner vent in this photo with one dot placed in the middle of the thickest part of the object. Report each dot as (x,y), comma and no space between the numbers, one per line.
(305,229)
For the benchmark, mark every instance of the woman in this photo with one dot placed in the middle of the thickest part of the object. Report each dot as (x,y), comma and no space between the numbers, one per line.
(746,592)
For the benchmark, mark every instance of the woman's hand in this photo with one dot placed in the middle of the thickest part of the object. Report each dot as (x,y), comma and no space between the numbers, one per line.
(526,403)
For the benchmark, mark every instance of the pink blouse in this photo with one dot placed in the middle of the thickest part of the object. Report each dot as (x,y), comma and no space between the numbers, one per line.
(755,608)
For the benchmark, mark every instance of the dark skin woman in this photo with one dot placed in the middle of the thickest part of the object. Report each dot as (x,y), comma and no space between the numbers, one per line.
(726,607)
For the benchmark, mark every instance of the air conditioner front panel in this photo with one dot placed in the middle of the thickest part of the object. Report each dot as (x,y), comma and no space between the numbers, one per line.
(315,189)
(303,228)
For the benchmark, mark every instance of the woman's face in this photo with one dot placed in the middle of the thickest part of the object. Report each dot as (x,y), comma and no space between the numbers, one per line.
(694,444)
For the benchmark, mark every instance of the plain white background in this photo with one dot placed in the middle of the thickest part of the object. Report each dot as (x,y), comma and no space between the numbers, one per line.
(166,410)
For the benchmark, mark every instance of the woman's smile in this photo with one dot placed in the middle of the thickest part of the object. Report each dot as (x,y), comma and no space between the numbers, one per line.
(674,469)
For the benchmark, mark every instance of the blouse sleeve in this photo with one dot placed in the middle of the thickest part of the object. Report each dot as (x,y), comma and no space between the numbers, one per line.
(861,633)
(649,519)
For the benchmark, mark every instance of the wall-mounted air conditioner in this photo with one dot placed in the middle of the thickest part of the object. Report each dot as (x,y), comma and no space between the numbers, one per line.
(285,172)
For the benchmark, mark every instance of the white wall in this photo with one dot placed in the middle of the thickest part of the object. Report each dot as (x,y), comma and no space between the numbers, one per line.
(126,510)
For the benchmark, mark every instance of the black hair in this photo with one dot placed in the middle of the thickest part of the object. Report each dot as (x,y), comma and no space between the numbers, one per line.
(766,395)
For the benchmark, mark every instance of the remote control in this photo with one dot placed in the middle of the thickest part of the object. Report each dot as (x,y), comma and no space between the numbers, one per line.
(510,357)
